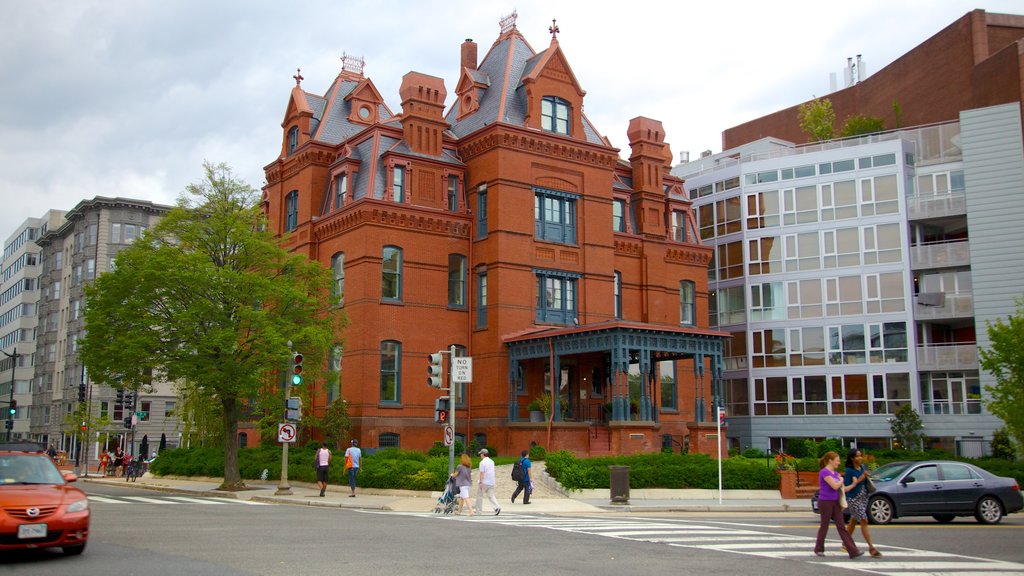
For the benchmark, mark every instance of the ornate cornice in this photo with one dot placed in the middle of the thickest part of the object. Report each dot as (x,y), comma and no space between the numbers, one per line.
(691,255)
(391,216)
(536,143)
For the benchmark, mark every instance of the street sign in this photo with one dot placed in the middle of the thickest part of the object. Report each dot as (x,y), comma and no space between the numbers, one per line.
(286,433)
(721,415)
(449,435)
(462,369)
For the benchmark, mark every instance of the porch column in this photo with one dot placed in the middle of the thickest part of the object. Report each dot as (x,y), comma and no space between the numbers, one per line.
(646,377)
(699,409)
(620,382)
(513,385)
(556,375)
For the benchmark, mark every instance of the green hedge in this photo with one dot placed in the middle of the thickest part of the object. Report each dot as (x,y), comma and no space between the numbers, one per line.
(410,470)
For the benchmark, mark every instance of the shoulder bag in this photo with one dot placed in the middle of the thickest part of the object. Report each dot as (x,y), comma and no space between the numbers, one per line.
(842,499)
(869,485)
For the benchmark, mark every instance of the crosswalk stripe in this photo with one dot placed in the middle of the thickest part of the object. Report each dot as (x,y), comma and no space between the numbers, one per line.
(195,500)
(146,500)
(931,566)
(237,501)
(105,500)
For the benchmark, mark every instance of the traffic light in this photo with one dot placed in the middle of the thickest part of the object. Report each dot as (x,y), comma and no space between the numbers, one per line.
(81,392)
(293,408)
(297,369)
(14,407)
(83,427)
(442,407)
(119,403)
(434,370)
(128,422)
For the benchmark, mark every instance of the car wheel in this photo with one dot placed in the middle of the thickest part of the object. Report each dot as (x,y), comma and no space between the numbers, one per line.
(944,518)
(989,511)
(881,511)
(73,550)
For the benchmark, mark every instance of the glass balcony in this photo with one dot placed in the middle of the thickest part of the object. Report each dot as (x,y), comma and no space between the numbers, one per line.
(953,357)
(940,255)
(943,306)
(929,206)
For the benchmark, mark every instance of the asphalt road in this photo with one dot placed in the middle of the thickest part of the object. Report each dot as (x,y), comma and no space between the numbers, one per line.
(150,533)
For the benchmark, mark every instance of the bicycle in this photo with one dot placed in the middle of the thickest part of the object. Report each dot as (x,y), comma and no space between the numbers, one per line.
(132,471)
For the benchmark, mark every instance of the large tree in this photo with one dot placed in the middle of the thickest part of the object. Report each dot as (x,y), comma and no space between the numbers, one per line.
(1004,359)
(209,299)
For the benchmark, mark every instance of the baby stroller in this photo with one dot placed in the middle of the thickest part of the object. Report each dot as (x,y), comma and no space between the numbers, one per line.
(448,499)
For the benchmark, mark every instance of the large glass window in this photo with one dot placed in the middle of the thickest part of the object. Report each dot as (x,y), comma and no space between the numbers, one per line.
(769,348)
(882,244)
(842,247)
(291,212)
(846,344)
(398,183)
(729,260)
(804,299)
(669,390)
(340,190)
(619,215)
(338,270)
(810,395)
(802,252)
(879,195)
(391,273)
(554,115)
(390,371)
(334,363)
(687,303)
(481,299)
(765,255)
(556,297)
(293,139)
(456,280)
(771,396)
(884,292)
(728,306)
(767,302)
(763,209)
(453,193)
(554,216)
(800,205)
(617,288)
(844,296)
(481,213)
(807,346)
(679,226)
(887,342)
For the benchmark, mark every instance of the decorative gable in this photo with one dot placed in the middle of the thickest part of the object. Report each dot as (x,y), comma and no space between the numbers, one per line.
(468,91)
(551,77)
(297,116)
(364,102)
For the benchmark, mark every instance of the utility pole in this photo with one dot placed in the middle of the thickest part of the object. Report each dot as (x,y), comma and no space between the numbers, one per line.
(283,489)
(10,401)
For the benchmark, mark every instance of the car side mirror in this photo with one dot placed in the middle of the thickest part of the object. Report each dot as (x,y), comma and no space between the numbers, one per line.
(907,480)
(70,477)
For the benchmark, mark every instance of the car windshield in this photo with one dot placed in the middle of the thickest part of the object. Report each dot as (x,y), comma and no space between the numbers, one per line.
(890,471)
(28,469)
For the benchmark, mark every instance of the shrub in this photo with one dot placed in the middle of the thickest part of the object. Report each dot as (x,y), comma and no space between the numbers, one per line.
(538,452)
(753,453)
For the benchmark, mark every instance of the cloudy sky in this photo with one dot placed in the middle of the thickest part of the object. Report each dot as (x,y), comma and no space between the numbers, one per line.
(109,98)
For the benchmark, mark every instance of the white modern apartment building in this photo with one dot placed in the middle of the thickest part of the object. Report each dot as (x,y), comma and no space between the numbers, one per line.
(19,294)
(858,275)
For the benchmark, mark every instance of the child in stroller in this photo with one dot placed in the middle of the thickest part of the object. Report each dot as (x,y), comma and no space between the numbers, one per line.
(448,499)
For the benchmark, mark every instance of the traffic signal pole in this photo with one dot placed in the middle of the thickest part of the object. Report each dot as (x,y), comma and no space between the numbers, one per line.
(10,401)
(295,378)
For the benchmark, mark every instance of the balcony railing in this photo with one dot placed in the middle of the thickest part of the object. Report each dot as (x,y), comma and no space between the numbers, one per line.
(940,255)
(951,407)
(927,206)
(943,305)
(954,357)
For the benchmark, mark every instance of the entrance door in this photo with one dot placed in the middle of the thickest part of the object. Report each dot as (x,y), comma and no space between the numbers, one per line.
(569,392)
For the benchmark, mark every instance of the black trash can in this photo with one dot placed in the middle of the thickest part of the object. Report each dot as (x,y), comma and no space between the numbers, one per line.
(619,484)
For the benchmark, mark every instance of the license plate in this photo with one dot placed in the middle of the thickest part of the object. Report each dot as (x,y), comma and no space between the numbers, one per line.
(32,531)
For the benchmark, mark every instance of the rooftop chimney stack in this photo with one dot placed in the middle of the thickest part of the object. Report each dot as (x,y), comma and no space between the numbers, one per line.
(469,54)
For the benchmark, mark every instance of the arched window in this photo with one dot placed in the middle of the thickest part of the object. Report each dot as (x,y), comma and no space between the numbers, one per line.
(554,115)
(389,440)
(391,273)
(243,440)
(334,363)
(293,139)
(338,270)
(291,211)
(687,303)
(457,280)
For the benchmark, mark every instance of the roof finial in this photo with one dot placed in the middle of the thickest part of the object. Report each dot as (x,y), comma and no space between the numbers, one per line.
(508,23)
(352,64)
(298,76)
(553,29)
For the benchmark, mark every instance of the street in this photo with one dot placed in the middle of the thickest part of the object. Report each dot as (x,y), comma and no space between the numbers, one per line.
(136,531)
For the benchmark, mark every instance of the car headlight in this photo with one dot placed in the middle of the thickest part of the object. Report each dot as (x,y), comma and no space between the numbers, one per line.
(79,505)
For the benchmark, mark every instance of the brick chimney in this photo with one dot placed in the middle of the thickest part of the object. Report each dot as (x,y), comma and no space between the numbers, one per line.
(423,112)
(469,54)
(651,160)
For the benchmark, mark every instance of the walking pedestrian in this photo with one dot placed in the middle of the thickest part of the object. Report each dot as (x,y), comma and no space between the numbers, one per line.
(353,459)
(323,463)
(463,481)
(487,482)
(830,484)
(523,483)
(856,478)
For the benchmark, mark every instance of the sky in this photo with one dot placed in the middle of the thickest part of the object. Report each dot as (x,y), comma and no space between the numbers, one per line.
(129,98)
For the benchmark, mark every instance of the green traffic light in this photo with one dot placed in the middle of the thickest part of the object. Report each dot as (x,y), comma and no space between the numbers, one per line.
(296,379)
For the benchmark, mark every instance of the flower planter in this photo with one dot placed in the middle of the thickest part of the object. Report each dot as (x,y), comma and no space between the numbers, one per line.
(787,484)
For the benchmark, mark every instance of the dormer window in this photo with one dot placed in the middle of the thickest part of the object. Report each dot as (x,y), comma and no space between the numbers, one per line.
(293,139)
(554,115)
(398,184)
(340,190)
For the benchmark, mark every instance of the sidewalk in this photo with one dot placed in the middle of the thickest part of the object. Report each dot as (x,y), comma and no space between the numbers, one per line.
(547,498)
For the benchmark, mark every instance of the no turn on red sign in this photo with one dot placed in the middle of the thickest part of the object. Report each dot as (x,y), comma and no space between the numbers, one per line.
(286,433)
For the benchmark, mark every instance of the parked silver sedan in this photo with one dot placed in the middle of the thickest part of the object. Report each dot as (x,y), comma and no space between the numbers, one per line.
(943,490)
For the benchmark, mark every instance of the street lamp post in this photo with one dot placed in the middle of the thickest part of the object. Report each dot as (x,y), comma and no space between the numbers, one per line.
(10,401)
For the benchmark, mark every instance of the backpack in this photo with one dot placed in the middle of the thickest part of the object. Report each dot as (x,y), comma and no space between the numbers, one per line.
(518,473)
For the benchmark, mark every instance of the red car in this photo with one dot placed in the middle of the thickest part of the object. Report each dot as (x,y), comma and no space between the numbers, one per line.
(38,507)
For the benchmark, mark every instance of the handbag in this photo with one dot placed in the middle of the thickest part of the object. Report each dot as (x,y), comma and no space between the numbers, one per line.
(348,461)
(870,486)
(842,500)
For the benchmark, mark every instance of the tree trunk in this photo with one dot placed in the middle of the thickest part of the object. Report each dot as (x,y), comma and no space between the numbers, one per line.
(232,476)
